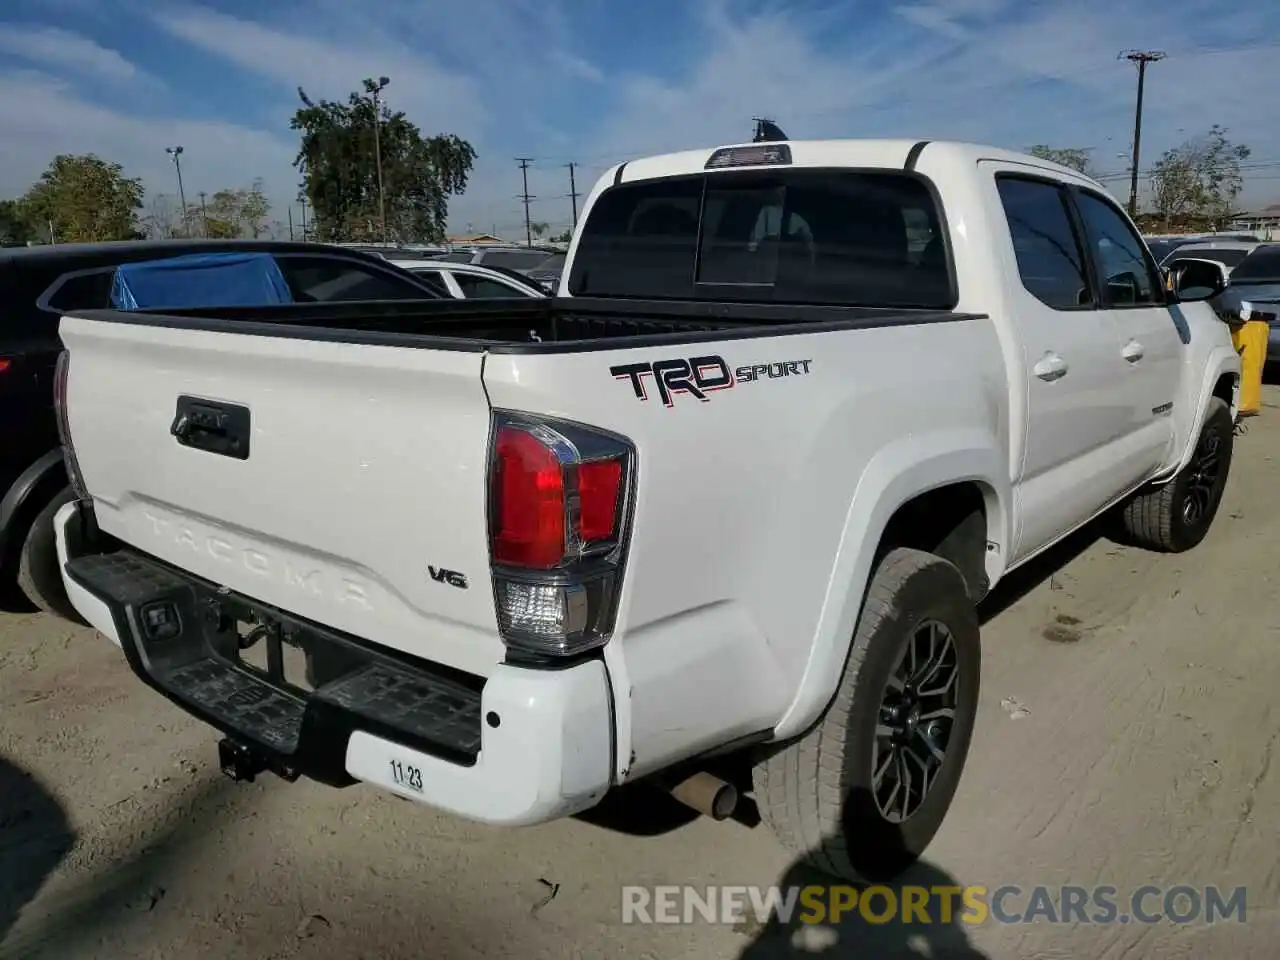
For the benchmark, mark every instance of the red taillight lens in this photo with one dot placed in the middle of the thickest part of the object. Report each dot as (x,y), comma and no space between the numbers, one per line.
(559,507)
(529,502)
(599,496)
(4,364)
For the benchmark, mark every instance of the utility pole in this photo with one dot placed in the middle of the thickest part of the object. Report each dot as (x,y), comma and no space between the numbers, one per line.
(204,215)
(290,210)
(528,224)
(175,154)
(377,153)
(1141,58)
(573,194)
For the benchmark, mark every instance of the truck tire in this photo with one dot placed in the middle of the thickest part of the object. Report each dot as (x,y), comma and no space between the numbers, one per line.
(1177,515)
(828,795)
(39,576)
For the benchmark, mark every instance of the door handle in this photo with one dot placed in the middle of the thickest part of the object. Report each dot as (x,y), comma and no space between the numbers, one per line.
(1050,367)
(1133,351)
(221,428)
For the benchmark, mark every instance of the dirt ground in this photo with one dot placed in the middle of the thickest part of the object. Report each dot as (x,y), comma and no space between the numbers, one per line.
(1126,734)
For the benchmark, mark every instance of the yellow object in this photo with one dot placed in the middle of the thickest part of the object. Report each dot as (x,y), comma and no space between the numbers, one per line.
(1250,341)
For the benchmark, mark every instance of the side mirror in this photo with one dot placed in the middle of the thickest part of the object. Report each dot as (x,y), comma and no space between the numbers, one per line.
(1193,279)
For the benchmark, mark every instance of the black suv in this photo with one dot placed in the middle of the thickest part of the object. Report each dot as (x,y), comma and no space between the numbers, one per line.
(37,286)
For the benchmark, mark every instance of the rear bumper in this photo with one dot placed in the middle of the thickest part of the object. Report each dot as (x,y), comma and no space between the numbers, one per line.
(520,747)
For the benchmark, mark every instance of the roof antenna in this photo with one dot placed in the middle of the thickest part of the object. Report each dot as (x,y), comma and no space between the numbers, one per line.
(767,131)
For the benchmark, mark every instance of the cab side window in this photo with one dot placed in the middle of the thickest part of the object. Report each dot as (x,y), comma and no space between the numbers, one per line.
(1125,268)
(1050,258)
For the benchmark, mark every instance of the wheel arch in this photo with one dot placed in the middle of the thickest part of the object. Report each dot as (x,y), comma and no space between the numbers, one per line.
(26,496)
(1222,381)
(945,490)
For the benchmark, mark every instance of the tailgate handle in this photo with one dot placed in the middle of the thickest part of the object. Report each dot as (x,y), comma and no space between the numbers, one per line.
(221,428)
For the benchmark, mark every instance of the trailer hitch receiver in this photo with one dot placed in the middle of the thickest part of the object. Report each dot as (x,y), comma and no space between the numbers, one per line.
(239,761)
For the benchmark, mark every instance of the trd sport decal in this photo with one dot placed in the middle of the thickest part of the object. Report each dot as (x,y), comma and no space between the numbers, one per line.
(700,376)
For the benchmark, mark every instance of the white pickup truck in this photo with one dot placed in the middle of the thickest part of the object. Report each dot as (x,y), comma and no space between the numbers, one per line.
(732,496)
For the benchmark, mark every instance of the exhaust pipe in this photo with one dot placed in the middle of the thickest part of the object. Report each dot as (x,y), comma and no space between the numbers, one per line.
(708,794)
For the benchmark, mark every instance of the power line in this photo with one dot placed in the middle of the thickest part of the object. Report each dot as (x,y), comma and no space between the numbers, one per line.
(528,224)
(1141,58)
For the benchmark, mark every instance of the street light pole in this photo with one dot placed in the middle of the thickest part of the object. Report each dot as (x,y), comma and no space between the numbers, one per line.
(175,154)
(377,153)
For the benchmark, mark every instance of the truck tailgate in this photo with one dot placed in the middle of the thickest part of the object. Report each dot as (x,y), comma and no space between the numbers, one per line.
(355,497)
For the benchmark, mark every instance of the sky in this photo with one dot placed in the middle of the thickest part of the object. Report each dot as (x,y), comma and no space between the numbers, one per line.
(593,82)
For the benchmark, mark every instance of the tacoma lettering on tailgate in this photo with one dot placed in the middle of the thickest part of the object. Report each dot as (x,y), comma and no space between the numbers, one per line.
(222,549)
(700,376)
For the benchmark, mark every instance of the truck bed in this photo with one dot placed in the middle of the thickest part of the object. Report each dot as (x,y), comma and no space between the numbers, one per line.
(526,326)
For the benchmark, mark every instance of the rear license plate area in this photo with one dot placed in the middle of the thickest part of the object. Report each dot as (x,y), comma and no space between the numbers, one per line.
(273,650)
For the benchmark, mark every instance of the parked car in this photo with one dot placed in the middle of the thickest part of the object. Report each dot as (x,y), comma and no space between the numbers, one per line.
(1229,253)
(547,275)
(39,284)
(731,500)
(468,280)
(519,259)
(1251,290)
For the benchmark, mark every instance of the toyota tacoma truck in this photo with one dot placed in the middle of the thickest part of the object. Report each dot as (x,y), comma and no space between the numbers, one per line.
(729,500)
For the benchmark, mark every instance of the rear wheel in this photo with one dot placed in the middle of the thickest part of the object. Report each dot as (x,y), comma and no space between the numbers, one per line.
(39,574)
(862,794)
(1177,516)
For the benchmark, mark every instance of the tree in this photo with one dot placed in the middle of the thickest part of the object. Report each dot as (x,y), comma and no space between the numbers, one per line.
(340,174)
(85,198)
(15,224)
(538,229)
(232,213)
(563,238)
(1197,183)
(163,219)
(1077,158)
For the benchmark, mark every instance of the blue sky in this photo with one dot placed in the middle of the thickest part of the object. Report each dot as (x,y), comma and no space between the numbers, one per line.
(596,81)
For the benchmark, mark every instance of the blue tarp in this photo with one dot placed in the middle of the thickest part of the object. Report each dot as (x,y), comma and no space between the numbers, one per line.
(200,280)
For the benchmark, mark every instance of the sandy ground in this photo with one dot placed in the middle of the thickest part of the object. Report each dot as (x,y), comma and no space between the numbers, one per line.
(1126,736)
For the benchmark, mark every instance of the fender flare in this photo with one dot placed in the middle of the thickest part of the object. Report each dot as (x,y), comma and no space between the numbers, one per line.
(1221,360)
(903,470)
(35,486)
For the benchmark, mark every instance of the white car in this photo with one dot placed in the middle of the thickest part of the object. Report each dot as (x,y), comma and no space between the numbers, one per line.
(1229,253)
(731,499)
(470,281)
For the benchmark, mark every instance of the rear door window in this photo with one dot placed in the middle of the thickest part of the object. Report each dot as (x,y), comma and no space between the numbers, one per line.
(433,279)
(330,279)
(846,238)
(1262,265)
(1050,258)
(474,287)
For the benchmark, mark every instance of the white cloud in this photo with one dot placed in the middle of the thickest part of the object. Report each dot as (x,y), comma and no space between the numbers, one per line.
(41,116)
(515,77)
(979,70)
(61,49)
(420,87)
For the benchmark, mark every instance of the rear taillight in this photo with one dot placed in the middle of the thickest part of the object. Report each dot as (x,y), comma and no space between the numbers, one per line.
(559,513)
(60,375)
(5,363)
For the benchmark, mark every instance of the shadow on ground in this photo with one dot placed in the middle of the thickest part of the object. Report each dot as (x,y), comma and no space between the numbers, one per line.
(1020,582)
(101,900)
(35,835)
(877,928)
